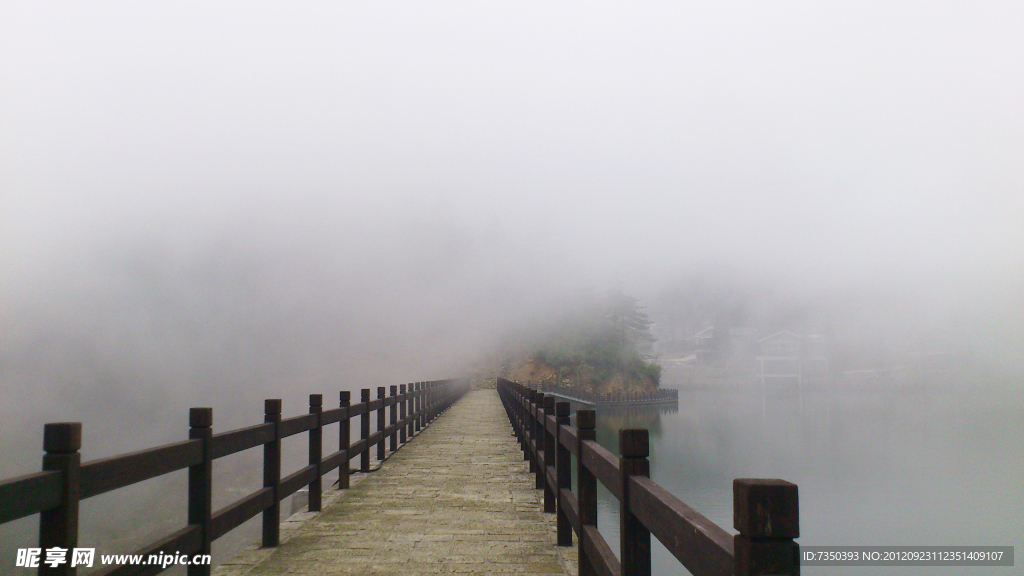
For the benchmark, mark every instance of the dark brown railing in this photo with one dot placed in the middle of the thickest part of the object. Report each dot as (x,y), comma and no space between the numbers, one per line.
(661,395)
(765,512)
(55,492)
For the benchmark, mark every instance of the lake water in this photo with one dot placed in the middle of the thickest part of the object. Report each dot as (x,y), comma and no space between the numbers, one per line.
(923,466)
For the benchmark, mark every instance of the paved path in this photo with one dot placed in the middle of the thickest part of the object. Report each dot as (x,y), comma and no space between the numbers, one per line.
(457,499)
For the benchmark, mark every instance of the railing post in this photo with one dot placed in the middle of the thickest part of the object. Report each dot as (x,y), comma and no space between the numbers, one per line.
(426,404)
(563,459)
(587,484)
(530,428)
(344,440)
(381,423)
(272,474)
(414,400)
(767,515)
(58,527)
(394,417)
(538,441)
(364,430)
(515,398)
(550,460)
(524,402)
(419,406)
(316,451)
(401,415)
(634,537)
(431,401)
(200,484)
(524,422)
(411,411)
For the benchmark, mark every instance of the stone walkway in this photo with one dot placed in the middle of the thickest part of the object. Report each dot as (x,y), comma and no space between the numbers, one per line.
(457,499)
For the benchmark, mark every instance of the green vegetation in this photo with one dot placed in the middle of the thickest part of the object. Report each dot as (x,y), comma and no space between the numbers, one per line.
(600,347)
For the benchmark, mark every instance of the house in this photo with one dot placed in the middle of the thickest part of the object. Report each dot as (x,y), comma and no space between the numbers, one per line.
(787,359)
(702,343)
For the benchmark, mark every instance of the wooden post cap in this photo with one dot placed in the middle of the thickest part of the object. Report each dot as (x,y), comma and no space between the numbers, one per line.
(346,398)
(364,395)
(200,417)
(402,389)
(316,399)
(549,403)
(380,391)
(765,508)
(586,419)
(62,437)
(633,443)
(272,406)
(562,409)
(394,390)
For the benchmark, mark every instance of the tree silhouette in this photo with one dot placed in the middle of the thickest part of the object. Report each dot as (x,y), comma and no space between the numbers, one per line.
(629,326)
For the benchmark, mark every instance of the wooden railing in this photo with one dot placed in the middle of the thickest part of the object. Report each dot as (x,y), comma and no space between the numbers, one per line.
(765,512)
(55,492)
(610,399)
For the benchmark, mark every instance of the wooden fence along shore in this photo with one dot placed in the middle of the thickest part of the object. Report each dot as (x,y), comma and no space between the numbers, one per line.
(55,492)
(660,396)
(765,512)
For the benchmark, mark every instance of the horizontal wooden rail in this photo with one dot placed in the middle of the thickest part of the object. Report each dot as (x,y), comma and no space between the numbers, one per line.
(56,491)
(599,554)
(291,483)
(29,494)
(571,508)
(335,461)
(227,443)
(234,515)
(604,465)
(108,474)
(333,415)
(698,543)
(766,511)
(298,424)
(375,438)
(358,447)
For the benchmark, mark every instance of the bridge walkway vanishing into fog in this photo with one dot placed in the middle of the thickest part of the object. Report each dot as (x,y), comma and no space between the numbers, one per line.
(457,499)
(477,483)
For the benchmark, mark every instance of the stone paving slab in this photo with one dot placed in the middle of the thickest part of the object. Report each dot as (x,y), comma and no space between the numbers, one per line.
(458,499)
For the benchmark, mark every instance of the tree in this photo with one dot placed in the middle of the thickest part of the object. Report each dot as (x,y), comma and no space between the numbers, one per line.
(629,325)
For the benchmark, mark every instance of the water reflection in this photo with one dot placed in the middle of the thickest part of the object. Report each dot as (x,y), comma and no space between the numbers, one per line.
(932,466)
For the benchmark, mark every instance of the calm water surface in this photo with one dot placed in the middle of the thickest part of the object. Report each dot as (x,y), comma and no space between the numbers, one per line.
(875,467)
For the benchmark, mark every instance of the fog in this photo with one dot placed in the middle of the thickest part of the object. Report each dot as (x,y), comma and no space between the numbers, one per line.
(215,203)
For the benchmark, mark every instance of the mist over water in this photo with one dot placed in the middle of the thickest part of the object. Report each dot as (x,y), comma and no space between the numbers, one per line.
(906,467)
(213,204)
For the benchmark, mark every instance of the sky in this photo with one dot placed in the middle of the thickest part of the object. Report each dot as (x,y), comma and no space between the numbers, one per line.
(839,140)
(426,172)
